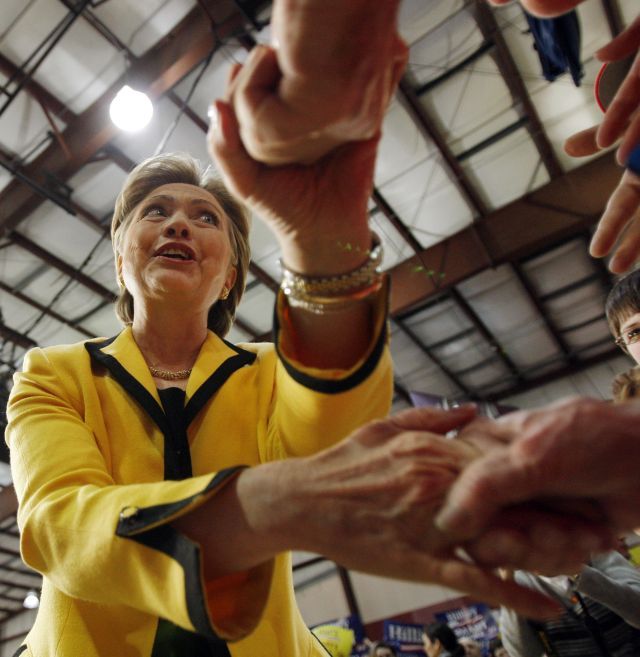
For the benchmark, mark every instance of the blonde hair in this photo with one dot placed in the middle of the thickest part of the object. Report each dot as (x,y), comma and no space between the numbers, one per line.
(183,168)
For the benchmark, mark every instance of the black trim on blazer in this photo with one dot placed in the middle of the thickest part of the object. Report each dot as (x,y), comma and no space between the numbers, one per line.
(19,651)
(129,526)
(215,382)
(165,538)
(171,542)
(331,387)
(129,383)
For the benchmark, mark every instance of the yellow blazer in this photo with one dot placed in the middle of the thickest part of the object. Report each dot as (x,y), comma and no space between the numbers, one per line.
(92,452)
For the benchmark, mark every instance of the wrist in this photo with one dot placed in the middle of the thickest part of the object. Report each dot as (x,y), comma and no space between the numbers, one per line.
(318,256)
(270,495)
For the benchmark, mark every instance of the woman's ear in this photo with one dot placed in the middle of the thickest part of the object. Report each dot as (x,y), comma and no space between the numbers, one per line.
(232,274)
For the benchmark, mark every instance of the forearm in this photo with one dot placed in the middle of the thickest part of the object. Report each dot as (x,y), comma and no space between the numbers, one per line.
(248,522)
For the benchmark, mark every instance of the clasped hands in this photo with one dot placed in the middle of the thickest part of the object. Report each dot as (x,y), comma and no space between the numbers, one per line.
(379,495)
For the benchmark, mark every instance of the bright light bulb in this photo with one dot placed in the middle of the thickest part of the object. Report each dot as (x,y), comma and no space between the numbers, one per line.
(130,110)
(31,600)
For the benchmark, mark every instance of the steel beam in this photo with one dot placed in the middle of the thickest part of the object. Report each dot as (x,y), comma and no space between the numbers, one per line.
(157,71)
(571,205)
(507,66)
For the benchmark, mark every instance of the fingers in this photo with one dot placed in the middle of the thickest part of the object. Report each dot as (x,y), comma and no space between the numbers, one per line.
(582,143)
(530,538)
(487,485)
(623,209)
(485,585)
(620,111)
(225,147)
(624,45)
(434,419)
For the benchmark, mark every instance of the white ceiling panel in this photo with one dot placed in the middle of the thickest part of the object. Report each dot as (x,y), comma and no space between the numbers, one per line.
(96,186)
(579,305)
(50,332)
(495,175)
(60,233)
(139,25)
(15,313)
(427,201)
(470,100)
(103,323)
(559,267)
(186,137)
(443,45)
(493,375)
(23,126)
(213,80)
(16,264)
(402,146)
(418,17)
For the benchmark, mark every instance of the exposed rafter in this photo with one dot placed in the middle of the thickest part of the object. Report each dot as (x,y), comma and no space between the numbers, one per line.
(158,70)
(567,206)
(507,66)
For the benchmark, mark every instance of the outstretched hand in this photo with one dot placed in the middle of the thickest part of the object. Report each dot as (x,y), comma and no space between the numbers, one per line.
(619,228)
(375,496)
(578,456)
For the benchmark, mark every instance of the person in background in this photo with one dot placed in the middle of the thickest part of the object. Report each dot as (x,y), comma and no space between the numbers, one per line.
(382,649)
(471,647)
(623,314)
(601,613)
(626,385)
(440,641)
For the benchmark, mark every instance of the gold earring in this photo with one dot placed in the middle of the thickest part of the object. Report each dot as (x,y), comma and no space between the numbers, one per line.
(121,281)
(225,293)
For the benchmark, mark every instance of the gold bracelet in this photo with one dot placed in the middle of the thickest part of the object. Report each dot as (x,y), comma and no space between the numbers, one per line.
(320,295)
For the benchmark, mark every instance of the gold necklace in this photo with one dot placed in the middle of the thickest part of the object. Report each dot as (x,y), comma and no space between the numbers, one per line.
(168,375)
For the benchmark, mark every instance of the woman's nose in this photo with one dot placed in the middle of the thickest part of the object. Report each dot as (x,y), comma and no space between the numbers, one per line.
(178,225)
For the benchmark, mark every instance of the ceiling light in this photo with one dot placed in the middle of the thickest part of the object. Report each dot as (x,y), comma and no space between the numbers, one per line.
(130,110)
(31,600)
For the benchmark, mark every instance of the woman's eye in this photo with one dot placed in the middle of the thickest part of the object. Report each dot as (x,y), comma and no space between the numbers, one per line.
(209,218)
(633,333)
(154,211)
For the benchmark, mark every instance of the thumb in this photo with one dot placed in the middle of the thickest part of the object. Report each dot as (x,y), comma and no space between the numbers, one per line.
(435,420)
(484,488)
(582,143)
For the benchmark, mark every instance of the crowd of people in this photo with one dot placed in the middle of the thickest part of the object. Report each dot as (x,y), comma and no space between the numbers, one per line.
(164,474)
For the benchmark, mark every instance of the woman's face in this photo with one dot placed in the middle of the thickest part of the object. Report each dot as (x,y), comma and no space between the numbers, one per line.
(177,247)
(630,328)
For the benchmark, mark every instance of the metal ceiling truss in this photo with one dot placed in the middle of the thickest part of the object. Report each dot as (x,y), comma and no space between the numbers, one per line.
(184,52)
